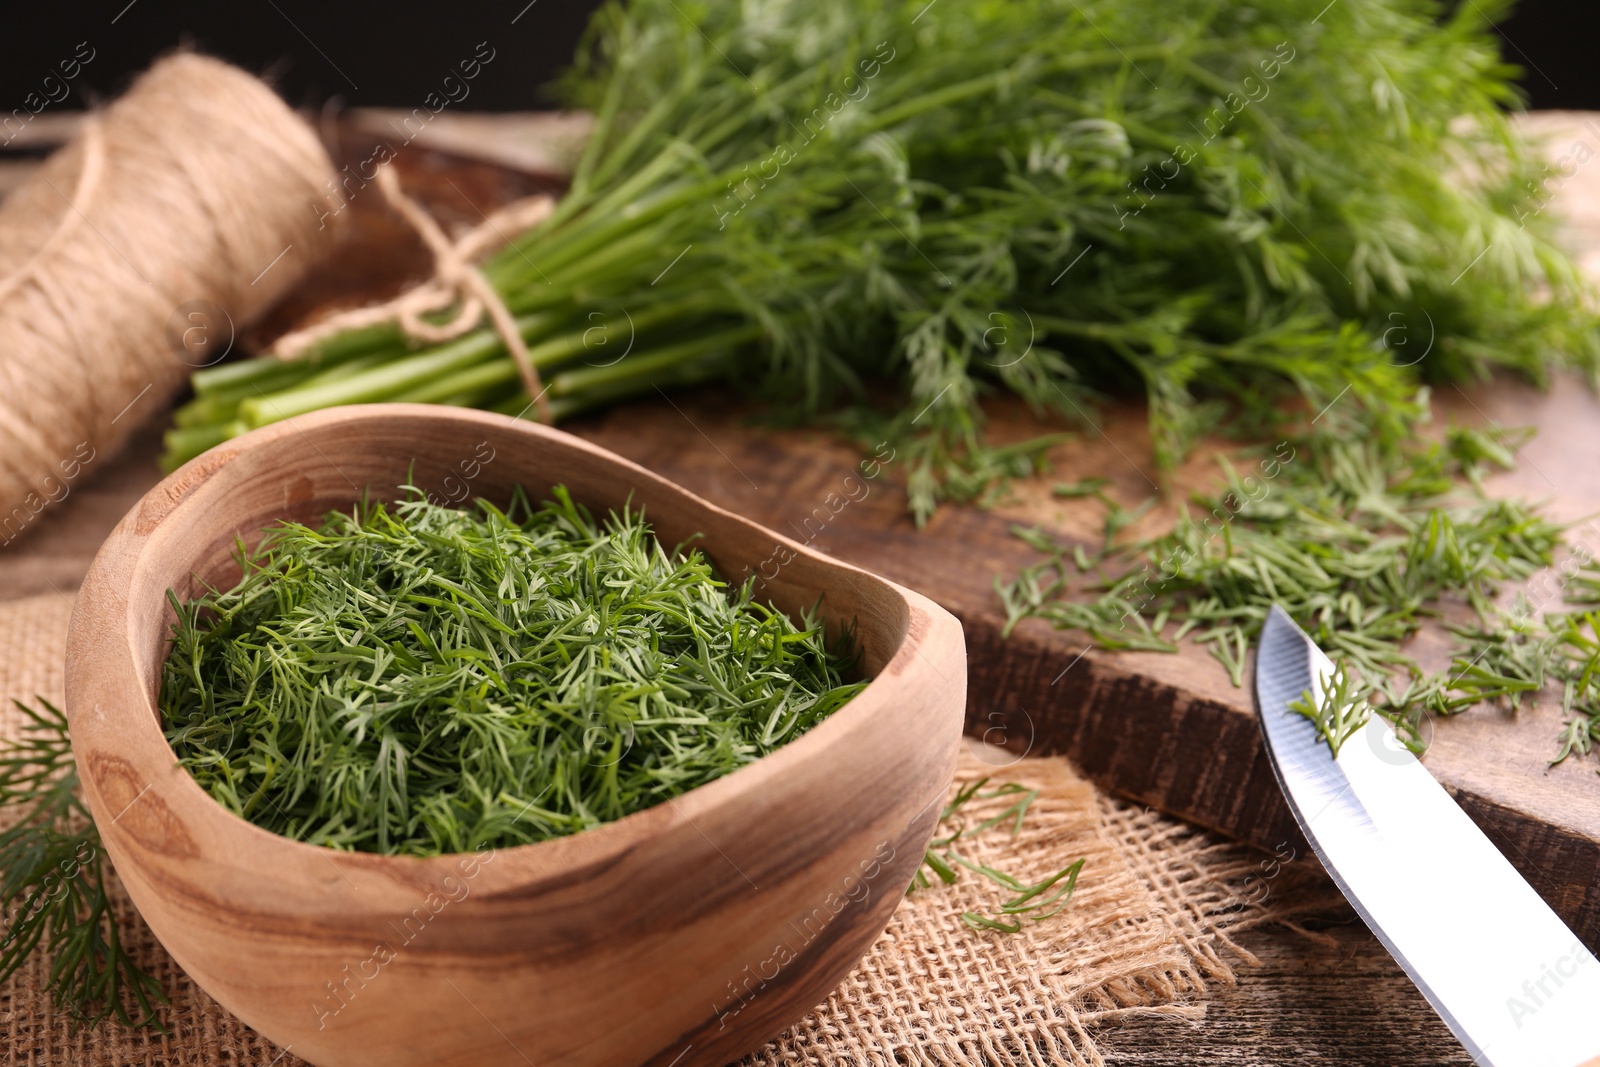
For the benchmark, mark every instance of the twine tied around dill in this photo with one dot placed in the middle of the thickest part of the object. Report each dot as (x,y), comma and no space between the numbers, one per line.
(457,286)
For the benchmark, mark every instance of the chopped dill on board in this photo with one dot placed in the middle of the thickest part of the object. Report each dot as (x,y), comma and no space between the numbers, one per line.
(423,679)
(1361,535)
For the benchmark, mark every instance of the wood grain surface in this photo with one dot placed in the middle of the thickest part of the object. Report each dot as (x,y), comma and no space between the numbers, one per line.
(1337,1001)
(1171,731)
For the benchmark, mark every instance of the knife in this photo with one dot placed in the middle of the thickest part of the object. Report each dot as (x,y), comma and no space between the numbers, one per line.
(1512,982)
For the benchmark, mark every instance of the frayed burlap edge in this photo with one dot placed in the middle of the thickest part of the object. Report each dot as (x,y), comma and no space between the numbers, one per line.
(1149,930)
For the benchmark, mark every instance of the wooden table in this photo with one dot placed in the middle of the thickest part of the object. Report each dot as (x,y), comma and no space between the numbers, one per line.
(1118,715)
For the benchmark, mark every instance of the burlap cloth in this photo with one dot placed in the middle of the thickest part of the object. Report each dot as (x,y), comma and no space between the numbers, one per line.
(1148,931)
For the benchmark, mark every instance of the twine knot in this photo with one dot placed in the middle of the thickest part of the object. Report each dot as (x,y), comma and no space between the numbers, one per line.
(456,283)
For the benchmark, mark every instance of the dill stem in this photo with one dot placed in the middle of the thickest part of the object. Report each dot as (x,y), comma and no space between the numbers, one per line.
(383,381)
(951,94)
(334,350)
(641,370)
(594,270)
(497,372)
(604,223)
(604,118)
(185,443)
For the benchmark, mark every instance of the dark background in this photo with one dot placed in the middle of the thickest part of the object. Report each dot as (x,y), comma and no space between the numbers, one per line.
(352,54)
(358,54)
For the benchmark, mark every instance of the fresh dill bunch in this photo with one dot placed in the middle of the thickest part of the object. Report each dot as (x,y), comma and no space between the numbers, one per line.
(423,679)
(1230,207)
(54,897)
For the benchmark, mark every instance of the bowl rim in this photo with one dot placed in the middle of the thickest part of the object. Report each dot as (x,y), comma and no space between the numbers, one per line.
(114,571)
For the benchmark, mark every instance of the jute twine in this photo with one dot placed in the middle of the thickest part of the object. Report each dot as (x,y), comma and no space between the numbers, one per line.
(457,287)
(1148,932)
(196,193)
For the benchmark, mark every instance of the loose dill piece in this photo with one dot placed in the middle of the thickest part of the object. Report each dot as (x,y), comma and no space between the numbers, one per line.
(1521,655)
(1033,902)
(421,679)
(53,883)
(1340,712)
(1083,487)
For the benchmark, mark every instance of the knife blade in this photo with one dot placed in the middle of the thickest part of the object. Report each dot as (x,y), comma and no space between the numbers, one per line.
(1512,982)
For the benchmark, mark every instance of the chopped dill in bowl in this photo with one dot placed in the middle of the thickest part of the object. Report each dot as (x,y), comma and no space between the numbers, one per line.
(422,679)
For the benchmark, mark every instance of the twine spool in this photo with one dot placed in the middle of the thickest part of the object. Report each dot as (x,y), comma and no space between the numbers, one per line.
(190,204)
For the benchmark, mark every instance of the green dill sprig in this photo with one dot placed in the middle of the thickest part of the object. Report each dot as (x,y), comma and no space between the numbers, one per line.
(1341,711)
(1031,902)
(53,883)
(422,679)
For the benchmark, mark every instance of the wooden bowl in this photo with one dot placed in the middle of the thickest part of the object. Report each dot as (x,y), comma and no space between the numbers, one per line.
(685,934)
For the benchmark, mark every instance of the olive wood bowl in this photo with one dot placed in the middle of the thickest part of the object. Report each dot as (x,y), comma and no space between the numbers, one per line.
(688,933)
